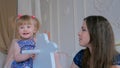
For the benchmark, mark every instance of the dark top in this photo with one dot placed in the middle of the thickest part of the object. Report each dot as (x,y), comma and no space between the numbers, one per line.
(78,59)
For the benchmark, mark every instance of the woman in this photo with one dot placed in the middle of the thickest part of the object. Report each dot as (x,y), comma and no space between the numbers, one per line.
(97,36)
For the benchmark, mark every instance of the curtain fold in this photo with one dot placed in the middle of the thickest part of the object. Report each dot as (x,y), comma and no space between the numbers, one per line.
(8,10)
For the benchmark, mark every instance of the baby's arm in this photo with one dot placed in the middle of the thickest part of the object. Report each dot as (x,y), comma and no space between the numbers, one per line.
(18,56)
(9,57)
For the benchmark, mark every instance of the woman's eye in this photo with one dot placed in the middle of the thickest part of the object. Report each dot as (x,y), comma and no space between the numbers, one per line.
(83,29)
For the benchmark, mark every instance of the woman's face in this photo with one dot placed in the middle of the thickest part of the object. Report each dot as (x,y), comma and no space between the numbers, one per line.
(84,36)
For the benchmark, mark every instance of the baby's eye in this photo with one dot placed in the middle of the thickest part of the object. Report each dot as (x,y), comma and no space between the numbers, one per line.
(28,26)
(21,27)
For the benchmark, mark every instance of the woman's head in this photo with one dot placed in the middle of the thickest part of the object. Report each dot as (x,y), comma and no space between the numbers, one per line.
(100,31)
(26,26)
(101,40)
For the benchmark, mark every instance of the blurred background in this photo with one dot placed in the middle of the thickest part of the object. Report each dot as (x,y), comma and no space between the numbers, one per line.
(60,19)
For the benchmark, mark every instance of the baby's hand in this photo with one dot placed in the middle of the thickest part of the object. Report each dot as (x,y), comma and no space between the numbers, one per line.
(33,56)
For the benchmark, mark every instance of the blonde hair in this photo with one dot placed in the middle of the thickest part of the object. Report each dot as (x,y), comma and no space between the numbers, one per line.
(26,19)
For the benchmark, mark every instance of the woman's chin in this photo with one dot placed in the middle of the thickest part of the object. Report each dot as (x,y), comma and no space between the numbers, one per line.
(82,45)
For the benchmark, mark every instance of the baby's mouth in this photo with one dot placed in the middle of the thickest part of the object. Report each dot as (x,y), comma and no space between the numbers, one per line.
(25,33)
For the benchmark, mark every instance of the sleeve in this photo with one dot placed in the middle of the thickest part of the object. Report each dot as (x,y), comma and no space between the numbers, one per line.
(78,58)
(116,60)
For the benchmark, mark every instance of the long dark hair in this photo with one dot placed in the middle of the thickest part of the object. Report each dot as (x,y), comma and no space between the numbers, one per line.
(102,43)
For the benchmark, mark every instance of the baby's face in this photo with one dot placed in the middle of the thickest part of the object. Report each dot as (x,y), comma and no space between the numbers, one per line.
(26,31)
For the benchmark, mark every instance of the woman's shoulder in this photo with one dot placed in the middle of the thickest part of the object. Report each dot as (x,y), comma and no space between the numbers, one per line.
(116,60)
(80,53)
(78,57)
